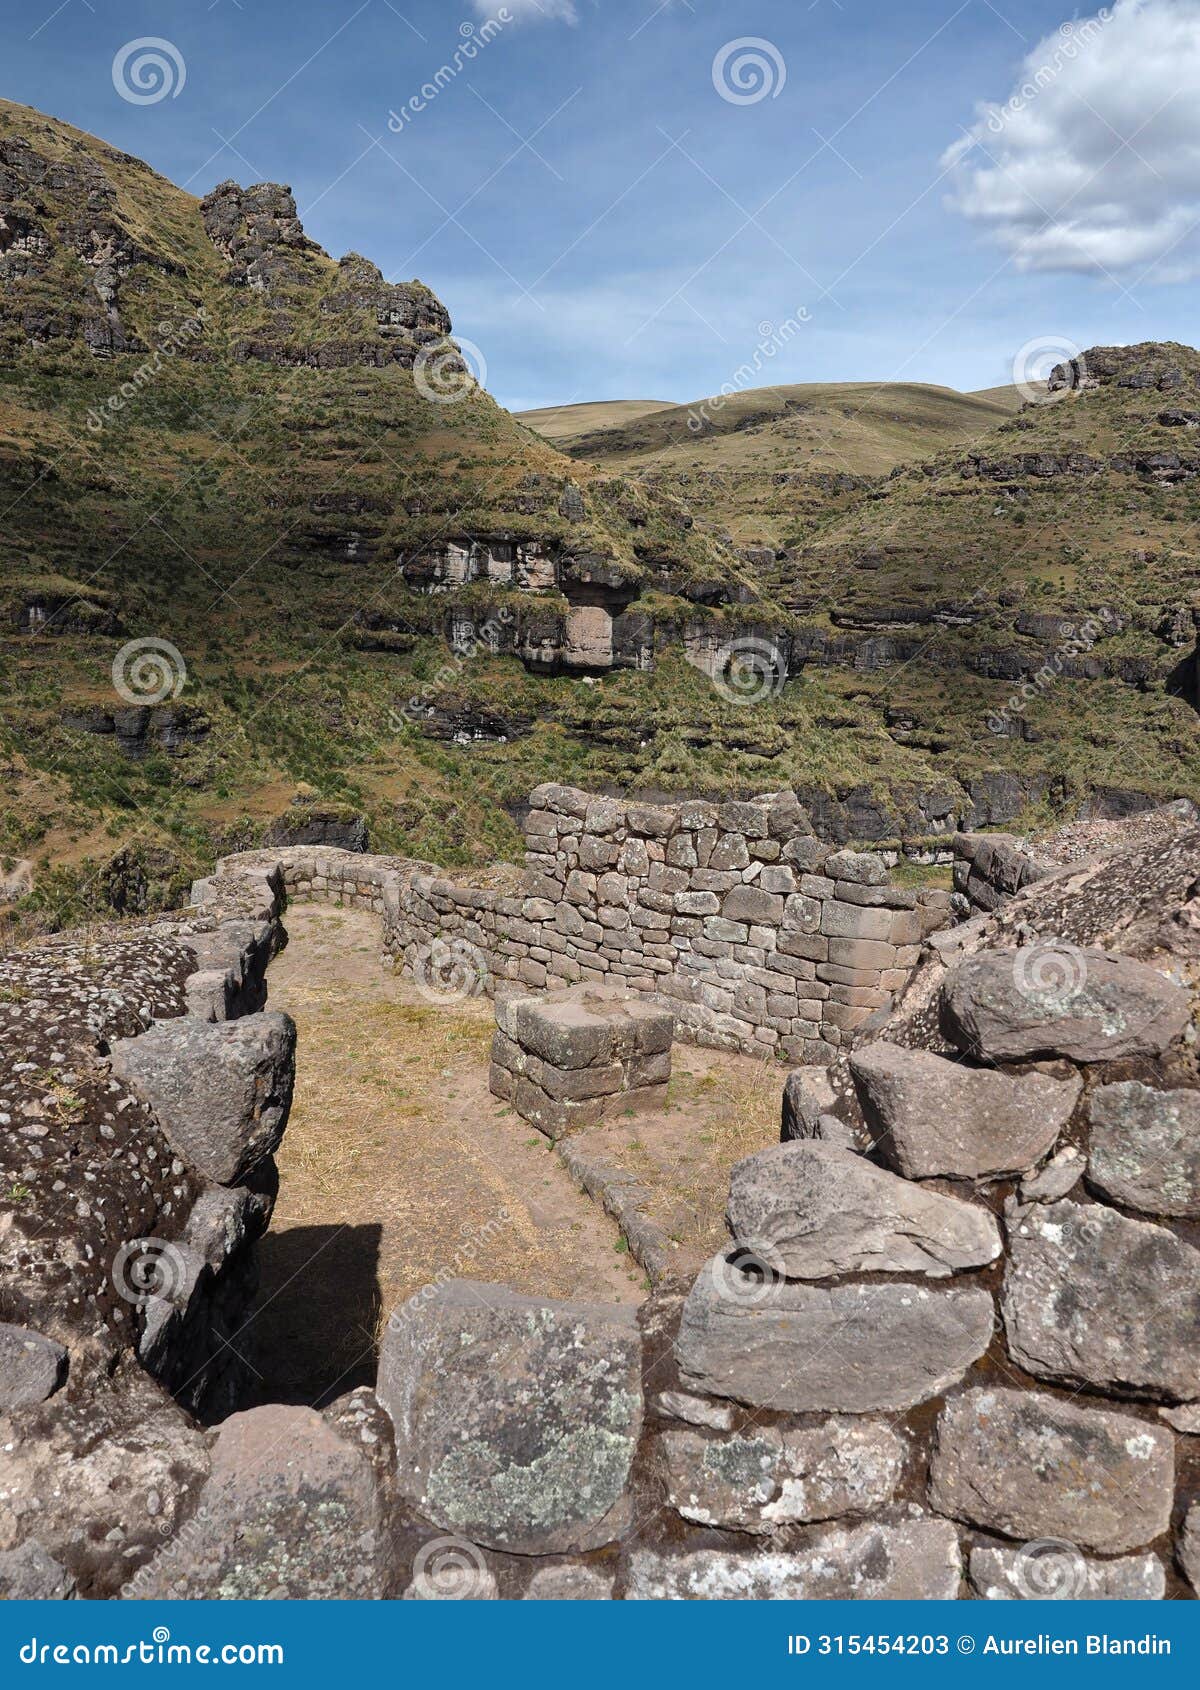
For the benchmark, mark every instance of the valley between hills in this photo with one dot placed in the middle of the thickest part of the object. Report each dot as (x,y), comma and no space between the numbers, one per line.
(364,601)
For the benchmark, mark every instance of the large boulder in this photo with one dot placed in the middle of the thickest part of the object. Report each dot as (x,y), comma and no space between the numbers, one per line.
(32,1367)
(933,1117)
(811,1212)
(1027,1465)
(291,1509)
(916,1560)
(1094,1298)
(99,1477)
(28,1574)
(1145,1147)
(761,1479)
(516,1419)
(1052,1571)
(840,1349)
(221,1090)
(1051,999)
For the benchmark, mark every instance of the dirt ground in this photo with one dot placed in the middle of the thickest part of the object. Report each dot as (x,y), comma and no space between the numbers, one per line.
(399,1167)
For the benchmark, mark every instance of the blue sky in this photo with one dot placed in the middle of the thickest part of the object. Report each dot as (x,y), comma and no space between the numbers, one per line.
(604,223)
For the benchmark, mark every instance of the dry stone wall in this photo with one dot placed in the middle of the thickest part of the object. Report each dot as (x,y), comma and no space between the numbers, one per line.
(949,1350)
(757,935)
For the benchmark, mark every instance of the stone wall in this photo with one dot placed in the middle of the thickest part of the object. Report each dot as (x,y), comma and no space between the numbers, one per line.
(951,1348)
(757,935)
(990,867)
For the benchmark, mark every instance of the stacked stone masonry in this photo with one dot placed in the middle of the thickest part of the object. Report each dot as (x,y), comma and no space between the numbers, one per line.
(756,935)
(949,1350)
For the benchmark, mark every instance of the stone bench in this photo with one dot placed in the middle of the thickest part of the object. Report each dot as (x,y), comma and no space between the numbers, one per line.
(572,1058)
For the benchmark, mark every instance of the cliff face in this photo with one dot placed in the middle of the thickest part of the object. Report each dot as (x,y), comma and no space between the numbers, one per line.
(217,439)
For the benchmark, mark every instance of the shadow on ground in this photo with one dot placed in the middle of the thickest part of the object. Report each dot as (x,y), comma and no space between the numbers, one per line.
(313,1334)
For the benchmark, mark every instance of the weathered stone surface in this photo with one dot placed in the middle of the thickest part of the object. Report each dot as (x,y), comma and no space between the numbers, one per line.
(812,1212)
(1030,1466)
(290,1510)
(932,1116)
(1061,1174)
(28,1574)
(570,1583)
(1057,1000)
(1050,1571)
(1093,1298)
(516,1420)
(1145,1147)
(32,1367)
(681,1405)
(99,1480)
(915,1560)
(827,1349)
(221,1091)
(1185,1418)
(764,1478)
(808,1098)
(1188,1553)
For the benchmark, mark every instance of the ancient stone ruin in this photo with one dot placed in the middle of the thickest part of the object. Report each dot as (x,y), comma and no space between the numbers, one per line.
(952,1347)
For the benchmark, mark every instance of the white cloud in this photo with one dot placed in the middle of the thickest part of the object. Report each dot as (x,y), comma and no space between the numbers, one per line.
(1093,162)
(537,11)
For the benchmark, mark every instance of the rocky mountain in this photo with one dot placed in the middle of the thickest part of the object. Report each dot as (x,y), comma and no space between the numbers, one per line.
(273,562)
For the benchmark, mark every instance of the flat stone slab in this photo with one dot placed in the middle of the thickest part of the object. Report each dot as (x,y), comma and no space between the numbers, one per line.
(32,1367)
(809,1211)
(1050,1571)
(1094,1298)
(570,1058)
(586,1026)
(1030,1466)
(1050,999)
(759,1480)
(933,1117)
(290,1509)
(1145,1147)
(516,1419)
(841,1349)
(221,1090)
(917,1560)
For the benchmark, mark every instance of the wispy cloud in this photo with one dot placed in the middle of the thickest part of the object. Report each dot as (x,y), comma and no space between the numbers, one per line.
(536,11)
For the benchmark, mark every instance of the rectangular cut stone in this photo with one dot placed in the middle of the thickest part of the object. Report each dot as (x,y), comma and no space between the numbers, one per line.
(834,1349)
(1027,1465)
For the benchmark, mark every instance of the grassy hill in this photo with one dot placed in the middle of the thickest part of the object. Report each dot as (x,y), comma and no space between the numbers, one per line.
(764,462)
(215,437)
